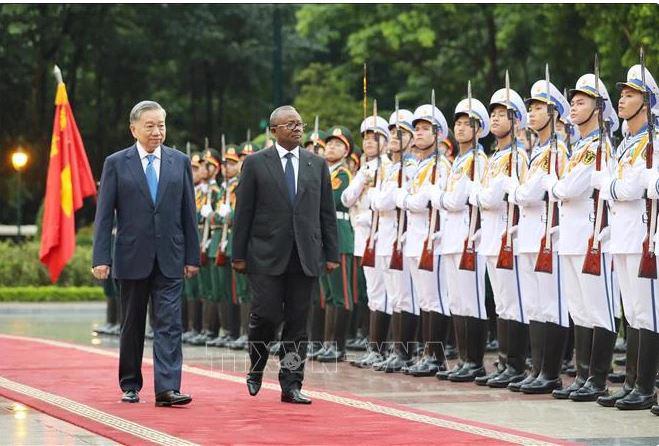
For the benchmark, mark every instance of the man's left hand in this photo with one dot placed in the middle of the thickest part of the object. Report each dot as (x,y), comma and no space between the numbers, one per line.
(190,271)
(331,266)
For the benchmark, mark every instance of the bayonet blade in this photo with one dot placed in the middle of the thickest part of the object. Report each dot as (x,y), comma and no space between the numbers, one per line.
(397,120)
(642,57)
(508,104)
(469,97)
(597,74)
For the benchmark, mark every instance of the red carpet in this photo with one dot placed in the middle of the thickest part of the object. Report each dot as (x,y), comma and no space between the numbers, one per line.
(79,385)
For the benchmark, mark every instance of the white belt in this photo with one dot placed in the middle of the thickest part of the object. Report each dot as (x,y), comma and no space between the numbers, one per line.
(342,215)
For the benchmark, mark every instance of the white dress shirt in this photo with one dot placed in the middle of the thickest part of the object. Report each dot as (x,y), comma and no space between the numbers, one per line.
(156,162)
(295,160)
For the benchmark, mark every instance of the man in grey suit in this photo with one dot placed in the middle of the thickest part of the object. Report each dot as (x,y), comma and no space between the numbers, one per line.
(149,188)
(284,237)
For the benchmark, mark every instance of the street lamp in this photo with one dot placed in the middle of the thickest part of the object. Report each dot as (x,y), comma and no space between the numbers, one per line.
(19,160)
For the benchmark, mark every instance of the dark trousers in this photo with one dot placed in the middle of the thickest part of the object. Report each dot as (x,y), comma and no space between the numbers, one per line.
(275,299)
(166,296)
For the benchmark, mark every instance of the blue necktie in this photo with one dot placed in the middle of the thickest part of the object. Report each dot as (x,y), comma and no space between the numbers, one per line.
(289,177)
(151,177)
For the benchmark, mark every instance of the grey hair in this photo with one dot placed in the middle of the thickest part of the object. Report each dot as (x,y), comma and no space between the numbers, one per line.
(141,107)
(278,110)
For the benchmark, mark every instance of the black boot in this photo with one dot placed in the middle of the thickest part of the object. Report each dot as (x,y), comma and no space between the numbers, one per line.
(600,362)
(502,333)
(434,350)
(476,340)
(460,329)
(552,359)
(328,336)
(336,352)
(423,332)
(403,343)
(378,329)
(518,344)
(644,395)
(583,342)
(630,371)
(537,332)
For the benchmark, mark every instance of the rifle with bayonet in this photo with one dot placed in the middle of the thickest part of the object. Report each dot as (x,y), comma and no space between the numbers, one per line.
(397,250)
(221,255)
(592,263)
(544,261)
(368,258)
(207,227)
(428,253)
(315,136)
(505,259)
(468,258)
(648,266)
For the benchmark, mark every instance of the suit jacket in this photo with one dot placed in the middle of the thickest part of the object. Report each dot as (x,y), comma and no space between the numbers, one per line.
(165,232)
(266,223)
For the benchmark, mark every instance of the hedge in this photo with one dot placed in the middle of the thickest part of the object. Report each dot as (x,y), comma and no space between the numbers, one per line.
(20,265)
(51,294)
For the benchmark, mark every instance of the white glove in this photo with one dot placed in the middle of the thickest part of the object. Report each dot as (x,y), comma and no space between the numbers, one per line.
(510,185)
(370,197)
(476,237)
(437,236)
(401,194)
(473,196)
(203,188)
(604,235)
(206,210)
(600,180)
(554,231)
(548,182)
(224,210)
(651,179)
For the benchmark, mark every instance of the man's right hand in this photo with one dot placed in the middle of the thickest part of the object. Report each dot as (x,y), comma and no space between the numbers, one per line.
(101,272)
(240,266)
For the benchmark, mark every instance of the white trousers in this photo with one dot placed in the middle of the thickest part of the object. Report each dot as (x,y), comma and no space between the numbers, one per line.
(591,300)
(376,290)
(401,289)
(466,289)
(542,295)
(639,295)
(507,292)
(430,286)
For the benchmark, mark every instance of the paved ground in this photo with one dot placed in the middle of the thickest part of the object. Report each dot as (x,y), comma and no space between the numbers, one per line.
(583,422)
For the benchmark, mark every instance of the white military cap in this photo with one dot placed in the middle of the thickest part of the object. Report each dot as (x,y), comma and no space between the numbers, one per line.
(404,120)
(634,81)
(425,113)
(478,111)
(539,93)
(379,125)
(516,103)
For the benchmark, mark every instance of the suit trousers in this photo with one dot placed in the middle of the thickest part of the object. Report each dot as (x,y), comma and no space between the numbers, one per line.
(275,299)
(166,296)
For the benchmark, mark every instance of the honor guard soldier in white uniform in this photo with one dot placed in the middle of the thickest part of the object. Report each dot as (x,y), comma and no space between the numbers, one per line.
(625,186)
(430,127)
(465,283)
(357,196)
(507,114)
(546,311)
(397,278)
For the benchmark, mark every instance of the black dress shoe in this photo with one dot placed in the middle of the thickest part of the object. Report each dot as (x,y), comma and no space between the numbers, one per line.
(469,372)
(172,398)
(254,381)
(430,367)
(442,375)
(294,396)
(131,396)
(510,375)
(610,400)
(636,400)
(540,386)
(564,394)
(482,380)
(589,392)
(655,410)
(517,386)
(616,378)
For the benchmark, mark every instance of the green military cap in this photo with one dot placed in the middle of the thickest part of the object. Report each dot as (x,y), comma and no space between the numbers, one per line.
(195,159)
(343,134)
(312,137)
(213,156)
(356,155)
(247,148)
(232,153)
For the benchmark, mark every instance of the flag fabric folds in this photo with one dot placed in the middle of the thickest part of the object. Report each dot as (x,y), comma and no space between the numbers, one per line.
(69,181)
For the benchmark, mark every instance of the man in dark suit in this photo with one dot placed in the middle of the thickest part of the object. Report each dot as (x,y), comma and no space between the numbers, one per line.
(284,237)
(149,187)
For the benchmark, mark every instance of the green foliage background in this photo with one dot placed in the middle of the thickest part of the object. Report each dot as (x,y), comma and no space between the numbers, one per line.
(213,67)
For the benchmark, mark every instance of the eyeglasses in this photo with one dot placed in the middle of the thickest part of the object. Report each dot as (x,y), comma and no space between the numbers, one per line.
(292,125)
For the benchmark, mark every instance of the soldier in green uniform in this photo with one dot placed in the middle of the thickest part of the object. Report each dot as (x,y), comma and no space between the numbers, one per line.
(336,285)
(210,198)
(315,142)
(191,286)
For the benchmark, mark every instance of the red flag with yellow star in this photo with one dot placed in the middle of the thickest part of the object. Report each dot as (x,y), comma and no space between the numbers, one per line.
(70,180)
